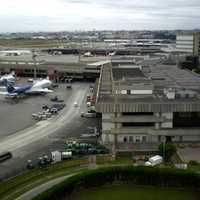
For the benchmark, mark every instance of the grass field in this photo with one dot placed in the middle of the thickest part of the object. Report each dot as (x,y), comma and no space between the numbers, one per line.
(127,192)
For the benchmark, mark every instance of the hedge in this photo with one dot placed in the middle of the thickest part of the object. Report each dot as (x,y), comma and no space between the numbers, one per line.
(131,175)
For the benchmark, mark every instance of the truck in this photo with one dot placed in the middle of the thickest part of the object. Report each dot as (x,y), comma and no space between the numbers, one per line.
(56,156)
(153,161)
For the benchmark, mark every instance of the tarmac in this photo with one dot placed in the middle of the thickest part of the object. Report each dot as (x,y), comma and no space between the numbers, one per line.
(44,136)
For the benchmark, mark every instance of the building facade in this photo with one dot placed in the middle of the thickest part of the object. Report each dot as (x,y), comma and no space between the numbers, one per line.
(142,107)
(189,43)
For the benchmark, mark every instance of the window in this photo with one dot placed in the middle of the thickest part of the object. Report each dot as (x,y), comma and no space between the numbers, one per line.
(129,124)
(144,138)
(137,113)
(125,139)
(128,92)
(137,139)
(130,138)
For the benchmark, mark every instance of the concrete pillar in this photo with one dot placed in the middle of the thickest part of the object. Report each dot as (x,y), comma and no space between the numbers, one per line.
(157,125)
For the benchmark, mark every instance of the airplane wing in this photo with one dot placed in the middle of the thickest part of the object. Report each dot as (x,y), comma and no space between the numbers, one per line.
(3,93)
(38,91)
(9,95)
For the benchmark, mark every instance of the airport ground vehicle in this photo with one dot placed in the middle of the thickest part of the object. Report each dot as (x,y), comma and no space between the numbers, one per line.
(153,161)
(55,99)
(5,156)
(56,156)
(66,155)
(88,114)
(69,86)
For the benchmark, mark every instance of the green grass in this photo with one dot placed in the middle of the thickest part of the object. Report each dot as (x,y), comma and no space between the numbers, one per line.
(18,185)
(30,43)
(127,192)
(194,167)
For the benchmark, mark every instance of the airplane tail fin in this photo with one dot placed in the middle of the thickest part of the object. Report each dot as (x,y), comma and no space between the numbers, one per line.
(12,73)
(9,86)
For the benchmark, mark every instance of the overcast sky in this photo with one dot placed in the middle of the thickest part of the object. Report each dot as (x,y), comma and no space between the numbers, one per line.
(58,15)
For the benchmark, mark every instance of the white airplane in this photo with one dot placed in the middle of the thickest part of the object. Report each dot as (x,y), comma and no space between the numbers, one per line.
(8,77)
(42,83)
(112,53)
(14,52)
(88,54)
(38,87)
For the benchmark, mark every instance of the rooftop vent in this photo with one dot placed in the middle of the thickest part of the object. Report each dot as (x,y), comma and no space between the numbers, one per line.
(169,92)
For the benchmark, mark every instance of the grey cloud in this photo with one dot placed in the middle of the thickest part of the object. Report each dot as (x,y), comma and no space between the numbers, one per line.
(124,14)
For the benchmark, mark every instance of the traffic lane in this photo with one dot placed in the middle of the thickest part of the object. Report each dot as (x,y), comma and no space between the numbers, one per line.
(45,146)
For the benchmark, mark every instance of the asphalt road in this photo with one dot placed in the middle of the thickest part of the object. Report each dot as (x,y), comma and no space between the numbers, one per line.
(48,135)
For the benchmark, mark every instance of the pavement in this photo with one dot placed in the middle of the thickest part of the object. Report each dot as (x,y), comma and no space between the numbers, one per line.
(45,186)
(37,190)
(189,153)
(44,128)
(45,136)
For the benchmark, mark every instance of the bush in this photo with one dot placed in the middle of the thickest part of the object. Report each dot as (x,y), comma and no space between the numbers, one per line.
(167,150)
(193,162)
(129,174)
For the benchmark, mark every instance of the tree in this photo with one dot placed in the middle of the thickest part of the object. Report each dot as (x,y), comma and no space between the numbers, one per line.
(167,150)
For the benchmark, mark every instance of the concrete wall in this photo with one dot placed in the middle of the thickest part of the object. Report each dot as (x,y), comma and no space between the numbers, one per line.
(168,120)
(107,138)
(191,138)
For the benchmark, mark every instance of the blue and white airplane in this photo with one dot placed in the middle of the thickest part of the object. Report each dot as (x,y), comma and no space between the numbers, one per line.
(8,77)
(38,87)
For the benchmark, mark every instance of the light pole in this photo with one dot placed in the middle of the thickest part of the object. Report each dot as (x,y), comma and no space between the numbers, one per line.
(115,90)
(164,149)
(34,55)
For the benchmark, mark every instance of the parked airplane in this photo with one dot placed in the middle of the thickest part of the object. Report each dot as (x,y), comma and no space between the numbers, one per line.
(88,54)
(112,53)
(39,87)
(8,77)
(14,52)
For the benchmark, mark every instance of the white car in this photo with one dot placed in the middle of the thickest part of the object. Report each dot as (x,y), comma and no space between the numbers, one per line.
(75,104)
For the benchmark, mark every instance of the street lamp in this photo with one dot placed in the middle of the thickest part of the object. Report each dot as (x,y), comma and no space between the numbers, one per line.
(115,91)
(34,55)
(164,142)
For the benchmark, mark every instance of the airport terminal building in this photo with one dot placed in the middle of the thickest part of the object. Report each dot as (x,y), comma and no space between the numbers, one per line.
(144,106)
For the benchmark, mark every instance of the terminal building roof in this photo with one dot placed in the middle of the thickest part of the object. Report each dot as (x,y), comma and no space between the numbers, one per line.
(149,89)
(125,73)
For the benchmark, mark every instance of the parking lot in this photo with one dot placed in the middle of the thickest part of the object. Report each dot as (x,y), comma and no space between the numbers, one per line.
(51,134)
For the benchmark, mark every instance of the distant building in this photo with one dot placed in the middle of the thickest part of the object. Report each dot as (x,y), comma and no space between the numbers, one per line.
(188,43)
(145,106)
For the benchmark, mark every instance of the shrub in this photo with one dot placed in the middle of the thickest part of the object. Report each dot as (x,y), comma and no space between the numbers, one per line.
(167,150)
(193,162)
(129,174)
